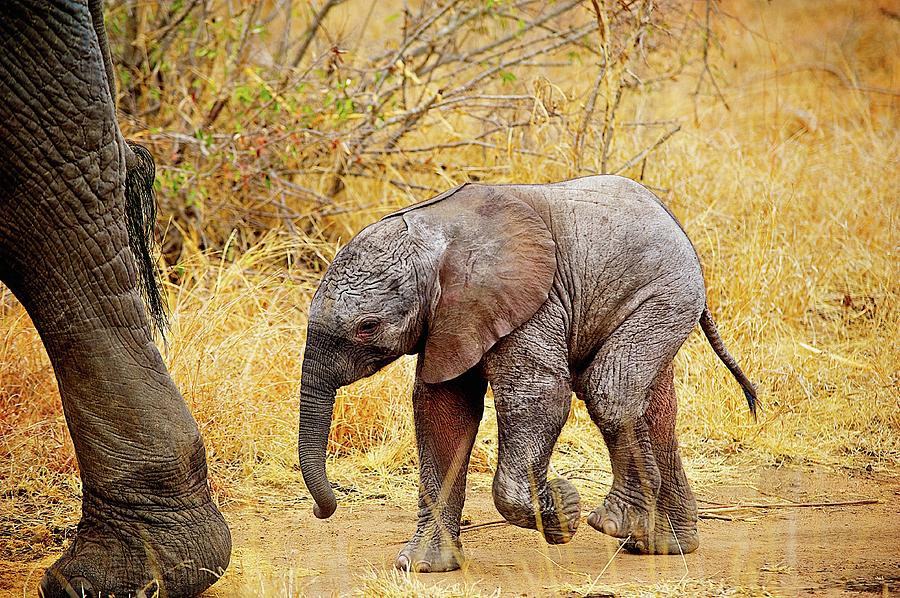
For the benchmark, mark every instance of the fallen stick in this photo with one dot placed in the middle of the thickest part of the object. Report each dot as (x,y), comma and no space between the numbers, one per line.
(474,526)
(702,515)
(790,505)
(716,512)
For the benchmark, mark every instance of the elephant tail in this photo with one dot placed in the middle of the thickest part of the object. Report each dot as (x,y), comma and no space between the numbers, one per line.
(140,217)
(715,341)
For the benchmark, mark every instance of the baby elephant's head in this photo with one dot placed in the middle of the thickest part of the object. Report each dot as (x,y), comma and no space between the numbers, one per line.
(368,309)
(445,279)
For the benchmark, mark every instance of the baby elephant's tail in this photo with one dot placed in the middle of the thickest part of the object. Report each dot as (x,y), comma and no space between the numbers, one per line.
(712,335)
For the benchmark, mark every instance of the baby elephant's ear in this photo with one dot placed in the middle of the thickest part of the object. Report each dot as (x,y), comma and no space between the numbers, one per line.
(495,272)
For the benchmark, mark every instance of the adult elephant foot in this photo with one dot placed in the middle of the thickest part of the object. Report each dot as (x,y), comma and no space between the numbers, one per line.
(430,556)
(141,551)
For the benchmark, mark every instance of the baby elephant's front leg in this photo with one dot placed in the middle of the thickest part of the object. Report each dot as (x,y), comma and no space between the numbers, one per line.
(553,508)
(529,420)
(446,418)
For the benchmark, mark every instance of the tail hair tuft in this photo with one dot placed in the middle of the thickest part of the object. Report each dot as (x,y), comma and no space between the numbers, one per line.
(140,218)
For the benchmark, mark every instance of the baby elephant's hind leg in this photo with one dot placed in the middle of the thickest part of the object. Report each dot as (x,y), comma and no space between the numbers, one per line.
(626,375)
(628,511)
(676,510)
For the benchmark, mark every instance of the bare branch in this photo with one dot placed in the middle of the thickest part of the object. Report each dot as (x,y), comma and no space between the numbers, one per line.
(644,152)
(577,147)
(305,191)
(311,31)
(707,34)
(834,72)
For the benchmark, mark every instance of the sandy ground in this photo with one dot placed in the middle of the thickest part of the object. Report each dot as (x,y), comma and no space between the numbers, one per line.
(797,550)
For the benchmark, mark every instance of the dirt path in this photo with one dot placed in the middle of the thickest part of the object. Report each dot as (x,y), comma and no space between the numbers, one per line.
(792,551)
(815,551)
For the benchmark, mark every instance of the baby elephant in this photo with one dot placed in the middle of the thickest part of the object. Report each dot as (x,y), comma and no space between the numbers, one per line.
(588,285)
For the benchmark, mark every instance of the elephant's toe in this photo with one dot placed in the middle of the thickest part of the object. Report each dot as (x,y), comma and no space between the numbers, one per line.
(55,583)
(560,523)
(619,519)
(664,542)
(604,522)
(405,563)
(119,555)
(420,558)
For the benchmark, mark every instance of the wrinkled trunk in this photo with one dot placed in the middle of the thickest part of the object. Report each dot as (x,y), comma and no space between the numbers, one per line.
(317,390)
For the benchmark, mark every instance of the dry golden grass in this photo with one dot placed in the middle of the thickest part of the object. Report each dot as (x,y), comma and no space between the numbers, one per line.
(394,584)
(790,195)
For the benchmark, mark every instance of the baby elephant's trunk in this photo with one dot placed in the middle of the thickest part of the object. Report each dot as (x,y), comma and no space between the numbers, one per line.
(316,408)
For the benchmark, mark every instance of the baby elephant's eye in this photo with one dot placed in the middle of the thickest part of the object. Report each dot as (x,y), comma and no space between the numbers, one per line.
(367,328)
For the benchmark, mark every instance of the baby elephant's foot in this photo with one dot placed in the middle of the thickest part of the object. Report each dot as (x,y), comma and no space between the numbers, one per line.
(643,535)
(423,556)
(664,541)
(560,523)
(674,530)
(621,519)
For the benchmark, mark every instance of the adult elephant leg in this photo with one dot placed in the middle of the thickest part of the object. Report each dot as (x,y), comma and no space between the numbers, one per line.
(532,393)
(148,520)
(446,417)
(617,388)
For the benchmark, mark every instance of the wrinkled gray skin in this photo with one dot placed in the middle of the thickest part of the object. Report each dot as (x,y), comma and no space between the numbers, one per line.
(587,285)
(148,522)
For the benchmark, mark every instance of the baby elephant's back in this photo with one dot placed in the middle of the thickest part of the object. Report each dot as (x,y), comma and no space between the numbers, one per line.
(617,246)
(607,219)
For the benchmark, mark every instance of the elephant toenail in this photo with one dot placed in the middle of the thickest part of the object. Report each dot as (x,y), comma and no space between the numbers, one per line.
(610,528)
(80,587)
(402,563)
(423,567)
(593,520)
